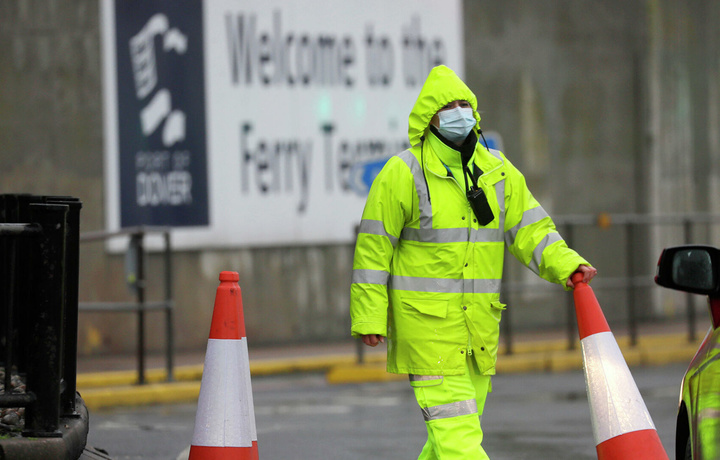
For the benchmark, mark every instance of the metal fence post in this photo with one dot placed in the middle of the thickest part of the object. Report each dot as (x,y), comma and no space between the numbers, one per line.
(170,337)
(689,301)
(70,323)
(632,314)
(7,305)
(569,300)
(137,278)
(138,239)
(46,302)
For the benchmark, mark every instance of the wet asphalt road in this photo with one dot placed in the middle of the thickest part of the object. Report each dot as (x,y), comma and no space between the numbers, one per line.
(531,416)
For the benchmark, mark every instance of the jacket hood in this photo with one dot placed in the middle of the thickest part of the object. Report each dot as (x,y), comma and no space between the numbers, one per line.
(441,87)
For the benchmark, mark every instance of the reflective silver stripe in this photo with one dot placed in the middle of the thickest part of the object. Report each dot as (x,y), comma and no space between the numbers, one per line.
(709,413)
(481,286)
(486,235)
(549,239)
(426,381)
(455,409)
(500,193)
(420,188)
(370,276)
(431,235)
(376,227)
(420,378)
(410,283)
(529,217)
(452,235)
(427,234)
(444,285)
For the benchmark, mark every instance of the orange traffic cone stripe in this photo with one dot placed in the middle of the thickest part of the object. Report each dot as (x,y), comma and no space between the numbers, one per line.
(228,318)
(225,420)
(593,318)
(225,453)
(641,444)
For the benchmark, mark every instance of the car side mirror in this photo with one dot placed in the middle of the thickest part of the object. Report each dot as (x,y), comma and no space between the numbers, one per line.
(691,268)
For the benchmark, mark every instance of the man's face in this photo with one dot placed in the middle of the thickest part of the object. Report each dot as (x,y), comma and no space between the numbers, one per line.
(435,121)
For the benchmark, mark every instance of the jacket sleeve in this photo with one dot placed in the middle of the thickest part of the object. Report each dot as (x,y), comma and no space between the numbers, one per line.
(531,236)
(382,222)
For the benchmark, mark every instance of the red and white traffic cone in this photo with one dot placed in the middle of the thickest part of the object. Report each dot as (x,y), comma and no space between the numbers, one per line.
(621,423)
(225,420)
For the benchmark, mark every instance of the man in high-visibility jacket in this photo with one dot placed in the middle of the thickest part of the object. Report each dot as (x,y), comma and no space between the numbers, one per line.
(429,261)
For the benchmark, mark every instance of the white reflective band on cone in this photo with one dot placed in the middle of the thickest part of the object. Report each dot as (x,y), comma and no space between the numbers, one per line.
(226,415)
(615,401)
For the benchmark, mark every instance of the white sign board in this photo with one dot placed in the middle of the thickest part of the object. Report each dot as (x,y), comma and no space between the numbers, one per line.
(244,123)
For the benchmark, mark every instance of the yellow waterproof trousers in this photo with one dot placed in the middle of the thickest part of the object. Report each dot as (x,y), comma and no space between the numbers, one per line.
(452,407)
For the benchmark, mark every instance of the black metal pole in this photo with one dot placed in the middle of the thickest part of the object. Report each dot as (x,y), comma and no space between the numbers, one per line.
(689,301)
(7,278)
(140,254)
(570,321)
(72,274)
(632,314)
(170,335)
(360,351)
(11,304)
(46,306)
(25,264)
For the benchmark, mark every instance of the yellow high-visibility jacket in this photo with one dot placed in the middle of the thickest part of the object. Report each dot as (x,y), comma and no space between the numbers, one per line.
(426,274)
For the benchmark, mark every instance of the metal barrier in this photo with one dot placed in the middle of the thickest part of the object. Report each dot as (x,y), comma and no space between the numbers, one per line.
(632,283)
(39,262)
(141,305)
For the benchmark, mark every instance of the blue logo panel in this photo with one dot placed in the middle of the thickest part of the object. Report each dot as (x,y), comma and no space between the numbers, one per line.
(161,113)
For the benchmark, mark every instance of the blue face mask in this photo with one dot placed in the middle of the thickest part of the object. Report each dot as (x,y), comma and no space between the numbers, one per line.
(455,124)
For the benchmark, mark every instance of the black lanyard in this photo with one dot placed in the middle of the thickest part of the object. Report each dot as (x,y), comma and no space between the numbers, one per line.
(473,178)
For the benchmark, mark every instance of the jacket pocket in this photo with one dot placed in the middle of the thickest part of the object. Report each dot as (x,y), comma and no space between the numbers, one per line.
(496,308)
(430,307)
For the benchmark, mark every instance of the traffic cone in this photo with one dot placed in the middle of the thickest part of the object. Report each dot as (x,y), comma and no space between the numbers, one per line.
(621,423)
(225,420)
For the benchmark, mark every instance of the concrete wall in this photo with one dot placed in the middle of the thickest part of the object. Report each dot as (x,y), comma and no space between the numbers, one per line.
(562,82)
(605,106)
(557,79)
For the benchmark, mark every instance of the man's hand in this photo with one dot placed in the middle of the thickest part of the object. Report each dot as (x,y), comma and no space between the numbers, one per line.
(587,272)
(371,340)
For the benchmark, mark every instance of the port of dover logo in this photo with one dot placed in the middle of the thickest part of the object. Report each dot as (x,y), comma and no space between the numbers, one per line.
(161,113)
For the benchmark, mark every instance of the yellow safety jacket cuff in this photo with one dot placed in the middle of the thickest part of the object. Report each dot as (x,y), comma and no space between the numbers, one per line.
(362,327)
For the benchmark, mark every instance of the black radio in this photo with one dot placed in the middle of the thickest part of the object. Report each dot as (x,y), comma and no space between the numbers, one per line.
(480,206)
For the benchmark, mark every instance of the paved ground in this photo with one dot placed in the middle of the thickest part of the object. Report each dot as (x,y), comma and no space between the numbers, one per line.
(300,416)
(108,381)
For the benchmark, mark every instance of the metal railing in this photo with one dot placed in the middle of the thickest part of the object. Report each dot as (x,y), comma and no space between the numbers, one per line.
(139,282)
(39,262)
(632,283)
